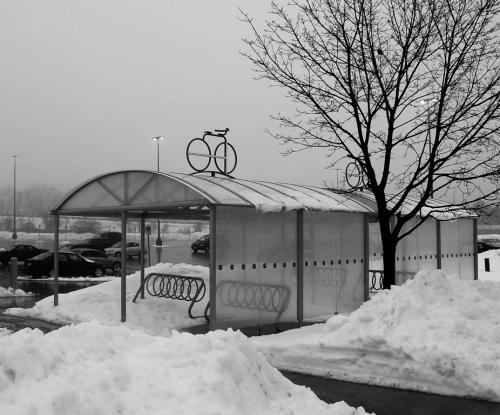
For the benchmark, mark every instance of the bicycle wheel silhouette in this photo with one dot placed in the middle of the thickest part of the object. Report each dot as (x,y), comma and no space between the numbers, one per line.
(353,175)
(228,164)
(198,154)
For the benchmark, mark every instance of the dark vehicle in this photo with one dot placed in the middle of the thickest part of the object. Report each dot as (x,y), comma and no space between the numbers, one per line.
(101,242)
(70,264)
(113,264)
(202,244)
(483,246)
(91,243)
(112,237)
(21,252)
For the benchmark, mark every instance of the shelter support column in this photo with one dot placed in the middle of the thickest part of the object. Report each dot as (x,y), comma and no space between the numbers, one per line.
(56,260)
(476,271)
(141,258)
(438,245)
(300,267)
(366,255)
(213,267)
(124,269)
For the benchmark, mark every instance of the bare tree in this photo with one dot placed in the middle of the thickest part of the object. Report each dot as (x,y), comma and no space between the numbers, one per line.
(408,90)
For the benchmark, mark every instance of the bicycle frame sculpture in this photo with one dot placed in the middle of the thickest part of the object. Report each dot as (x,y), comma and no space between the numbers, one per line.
(199,154)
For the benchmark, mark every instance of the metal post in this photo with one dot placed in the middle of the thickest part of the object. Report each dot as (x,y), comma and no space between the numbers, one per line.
(476,271)
(159,242)
(14,234)
(438,245)
(366,254)
(300,267)
(13,273)
(124,269)
(213,268)
(56,260)
(141,258)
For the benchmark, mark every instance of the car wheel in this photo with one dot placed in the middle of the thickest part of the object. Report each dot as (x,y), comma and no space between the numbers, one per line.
(118,254)
(195,251)
(116,267)
(98,272)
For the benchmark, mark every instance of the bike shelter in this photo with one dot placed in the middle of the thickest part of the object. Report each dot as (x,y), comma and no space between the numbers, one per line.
(278,252)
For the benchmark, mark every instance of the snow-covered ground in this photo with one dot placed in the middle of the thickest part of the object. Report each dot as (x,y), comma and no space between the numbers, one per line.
(435,333)
(94,369)
(101,302)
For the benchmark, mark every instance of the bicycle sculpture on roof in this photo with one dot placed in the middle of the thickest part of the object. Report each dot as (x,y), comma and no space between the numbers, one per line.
(355,177)
(222,160)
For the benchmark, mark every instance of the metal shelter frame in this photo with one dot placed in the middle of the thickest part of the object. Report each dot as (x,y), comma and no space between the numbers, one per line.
(142,194)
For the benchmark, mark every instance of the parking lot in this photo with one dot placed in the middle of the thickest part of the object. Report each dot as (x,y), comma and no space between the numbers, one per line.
(173,251)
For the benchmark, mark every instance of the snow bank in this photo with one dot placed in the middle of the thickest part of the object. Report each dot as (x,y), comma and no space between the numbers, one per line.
(10,292)
(435,333)
(102,303)
(94,369)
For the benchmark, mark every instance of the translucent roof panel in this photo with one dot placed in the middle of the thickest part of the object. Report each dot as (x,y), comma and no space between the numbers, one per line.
(140,190)
(133,189)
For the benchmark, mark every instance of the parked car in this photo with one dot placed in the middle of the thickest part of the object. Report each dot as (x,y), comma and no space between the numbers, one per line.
(112,237)
(131,249)
(201,244)
(483,246)
(91,243)
(96,255)
(70,264)
(21,252)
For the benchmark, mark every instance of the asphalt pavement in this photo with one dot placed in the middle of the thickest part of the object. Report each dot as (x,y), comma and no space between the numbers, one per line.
(391,401)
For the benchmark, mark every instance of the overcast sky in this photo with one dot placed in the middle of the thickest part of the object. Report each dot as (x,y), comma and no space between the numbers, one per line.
(85,85)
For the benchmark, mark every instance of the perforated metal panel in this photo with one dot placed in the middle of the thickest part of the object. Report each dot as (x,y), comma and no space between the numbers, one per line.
(416,251)
(333,263)
(256,272)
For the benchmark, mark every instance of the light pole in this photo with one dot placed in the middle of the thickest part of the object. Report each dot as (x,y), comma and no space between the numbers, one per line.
(428,103)
(14,234)
(158,139)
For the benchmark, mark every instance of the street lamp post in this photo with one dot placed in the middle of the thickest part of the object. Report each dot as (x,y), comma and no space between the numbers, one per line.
(14,234)
(428,103)
(158,139)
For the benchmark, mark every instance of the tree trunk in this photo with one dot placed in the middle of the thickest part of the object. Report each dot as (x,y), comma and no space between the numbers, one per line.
(389,264)
(389,252)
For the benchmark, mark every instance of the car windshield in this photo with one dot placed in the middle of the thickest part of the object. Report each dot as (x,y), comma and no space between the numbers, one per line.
(43,256)
(117,245)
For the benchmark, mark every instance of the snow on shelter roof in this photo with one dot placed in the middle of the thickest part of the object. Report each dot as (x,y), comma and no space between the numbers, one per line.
(138,191)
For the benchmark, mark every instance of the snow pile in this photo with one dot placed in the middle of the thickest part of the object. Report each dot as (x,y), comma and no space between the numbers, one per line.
(10,292)
(101,302)
(435,333)
(94,369)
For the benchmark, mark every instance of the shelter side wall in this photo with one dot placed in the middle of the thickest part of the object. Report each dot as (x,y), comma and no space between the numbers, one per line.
(333,263)
(256,272)
(416,251)
(458,247)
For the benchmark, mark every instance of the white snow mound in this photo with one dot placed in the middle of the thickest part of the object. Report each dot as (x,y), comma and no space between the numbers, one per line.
(435,333)
(10,292)
(94,369)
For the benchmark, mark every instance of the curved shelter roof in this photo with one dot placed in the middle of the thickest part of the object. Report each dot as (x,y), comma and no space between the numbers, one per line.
(151,192)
